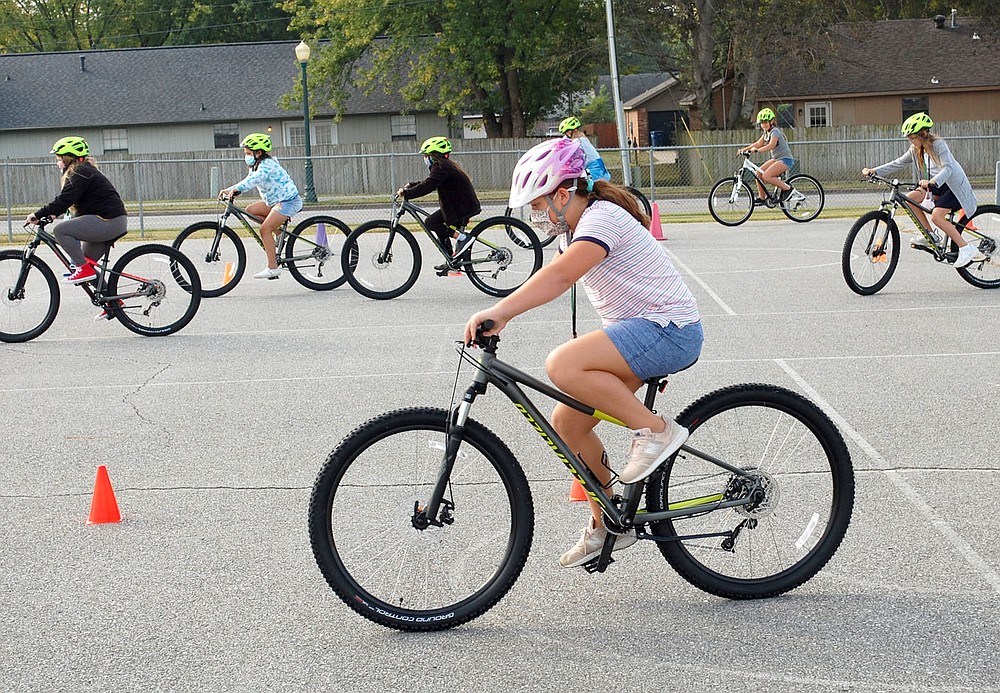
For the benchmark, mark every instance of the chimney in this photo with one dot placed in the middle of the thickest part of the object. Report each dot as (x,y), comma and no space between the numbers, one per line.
(939,21)
(954,15)
(83,61)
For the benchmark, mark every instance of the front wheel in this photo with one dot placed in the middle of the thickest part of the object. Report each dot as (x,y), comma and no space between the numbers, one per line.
(983,230)
(730,202)
(217,253)
(154,290)
(503,255)
(313,250)
(871,253)
(385,564)
(643,200)
(806,199)
(797,464)
(29,296)
(381,261)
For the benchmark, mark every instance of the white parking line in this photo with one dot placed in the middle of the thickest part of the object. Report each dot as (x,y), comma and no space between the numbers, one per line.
(714,296)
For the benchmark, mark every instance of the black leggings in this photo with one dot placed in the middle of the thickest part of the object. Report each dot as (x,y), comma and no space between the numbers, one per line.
(436,223)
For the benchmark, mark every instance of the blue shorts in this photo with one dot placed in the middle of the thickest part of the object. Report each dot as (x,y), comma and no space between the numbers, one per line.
(289,207)
(787,161)
(651,350)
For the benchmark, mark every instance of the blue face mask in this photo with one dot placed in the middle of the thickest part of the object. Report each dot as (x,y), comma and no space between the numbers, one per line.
(250,158)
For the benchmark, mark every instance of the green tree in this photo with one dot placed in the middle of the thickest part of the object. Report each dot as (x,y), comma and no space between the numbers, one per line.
(510,61)
(599,109)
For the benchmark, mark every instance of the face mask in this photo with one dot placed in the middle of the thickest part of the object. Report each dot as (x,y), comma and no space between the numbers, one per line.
(250,158)
(429,161)
(60,164)
(539,219)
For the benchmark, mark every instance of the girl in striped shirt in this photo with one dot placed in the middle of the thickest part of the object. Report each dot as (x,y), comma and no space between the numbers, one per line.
(651,325)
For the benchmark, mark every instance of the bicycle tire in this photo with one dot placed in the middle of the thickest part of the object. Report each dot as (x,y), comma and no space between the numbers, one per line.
(158,287)
(983,272)
(810,204)
(320,269)
(504,254)
(730,202)
(788,535)
(218,254)
(867,263)
(375,270)
(643,200)
(364,540)
(32,310)
(518,214)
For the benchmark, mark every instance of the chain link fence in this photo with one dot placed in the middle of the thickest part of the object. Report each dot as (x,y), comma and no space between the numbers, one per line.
(166,195)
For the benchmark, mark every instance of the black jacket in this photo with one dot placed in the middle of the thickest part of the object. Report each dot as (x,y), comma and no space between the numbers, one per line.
(455,192)
(89,191)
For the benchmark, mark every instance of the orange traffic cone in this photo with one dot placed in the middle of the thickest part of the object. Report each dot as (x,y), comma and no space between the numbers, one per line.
(576,492)
(655,227)
(103,507)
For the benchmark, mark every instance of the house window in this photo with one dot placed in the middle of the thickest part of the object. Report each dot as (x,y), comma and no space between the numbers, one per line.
(320,132)
(227,135)
(403,127)
(818,114)
(115,139)
(914,104)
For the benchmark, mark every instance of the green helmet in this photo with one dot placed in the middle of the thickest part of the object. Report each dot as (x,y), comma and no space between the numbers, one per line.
(436,145)
(72,145)
(764,115)
(257,142)
(571,123)
(915,123)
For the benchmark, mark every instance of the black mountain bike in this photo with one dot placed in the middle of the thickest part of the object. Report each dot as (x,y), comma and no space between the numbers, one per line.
(381,259)
(152,289)
(871,251)
(422,519)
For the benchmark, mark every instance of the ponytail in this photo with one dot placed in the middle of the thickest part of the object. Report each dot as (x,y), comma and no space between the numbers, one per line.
(609,192)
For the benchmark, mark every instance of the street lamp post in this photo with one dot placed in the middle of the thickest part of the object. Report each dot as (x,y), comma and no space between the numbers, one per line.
(302,52)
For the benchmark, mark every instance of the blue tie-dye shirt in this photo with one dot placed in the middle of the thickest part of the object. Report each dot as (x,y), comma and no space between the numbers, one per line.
(273,182)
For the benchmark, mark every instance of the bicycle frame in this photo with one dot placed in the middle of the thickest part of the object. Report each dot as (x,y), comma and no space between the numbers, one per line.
(507,378)
(420,215)
(279,242)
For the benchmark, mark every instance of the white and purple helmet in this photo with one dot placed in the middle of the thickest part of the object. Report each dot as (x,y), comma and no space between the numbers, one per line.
(544,167)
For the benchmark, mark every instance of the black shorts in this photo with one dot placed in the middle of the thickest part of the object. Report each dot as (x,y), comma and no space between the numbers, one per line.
(944,197)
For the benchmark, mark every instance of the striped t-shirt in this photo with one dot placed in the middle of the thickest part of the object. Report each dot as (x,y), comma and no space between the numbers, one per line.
(636,278)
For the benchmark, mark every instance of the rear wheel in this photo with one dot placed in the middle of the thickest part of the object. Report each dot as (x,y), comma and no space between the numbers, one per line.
(503,255)
(29,296)
(154,290)
(312,252)
(806,200)
(730,202)
(984,271)
(218,254)
(871,253)
(643,200)
(380,261)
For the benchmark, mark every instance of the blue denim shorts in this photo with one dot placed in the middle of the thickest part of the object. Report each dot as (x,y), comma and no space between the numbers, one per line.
(651,350)
(787,161)
(289,207)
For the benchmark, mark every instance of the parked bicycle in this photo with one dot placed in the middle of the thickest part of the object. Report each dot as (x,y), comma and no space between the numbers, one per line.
(152,289)
(310,252)
(422,519)
(381,259)
(871,251)
(733,199)
(636,193)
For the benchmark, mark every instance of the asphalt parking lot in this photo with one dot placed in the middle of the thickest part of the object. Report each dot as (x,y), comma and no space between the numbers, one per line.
(214,436)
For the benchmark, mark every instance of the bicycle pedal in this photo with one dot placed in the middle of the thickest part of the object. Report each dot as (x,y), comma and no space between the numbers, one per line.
(594,565)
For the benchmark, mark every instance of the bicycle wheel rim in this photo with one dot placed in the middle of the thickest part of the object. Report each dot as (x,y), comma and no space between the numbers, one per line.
(806,200)
(730,202)
(313,251)
(984,270)
(503,256)
(28,313)
(218,255)
(154,290)
(871,253)
(791,534)
(375,269)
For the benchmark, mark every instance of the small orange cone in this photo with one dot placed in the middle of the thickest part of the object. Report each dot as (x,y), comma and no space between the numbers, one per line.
(655,227)
(576,492)
(103,507)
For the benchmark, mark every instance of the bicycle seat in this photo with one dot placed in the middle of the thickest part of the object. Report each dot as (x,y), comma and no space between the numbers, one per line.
(116,238)
(659,383)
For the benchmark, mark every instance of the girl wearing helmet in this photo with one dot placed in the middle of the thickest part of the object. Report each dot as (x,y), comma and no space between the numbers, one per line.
(939,175)
(280,199)
(98,211)
(456,196)
(651,325)
(570,127)
(773,140)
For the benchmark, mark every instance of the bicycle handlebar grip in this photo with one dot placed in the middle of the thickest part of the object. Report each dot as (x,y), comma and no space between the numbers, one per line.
(484,342)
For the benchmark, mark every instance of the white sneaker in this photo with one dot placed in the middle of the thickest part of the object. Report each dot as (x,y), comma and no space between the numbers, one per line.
(650,450)
(268,273)
(965,255)
(918,240)
(590,544)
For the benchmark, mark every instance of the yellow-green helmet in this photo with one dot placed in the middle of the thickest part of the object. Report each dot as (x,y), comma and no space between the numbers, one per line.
(915,123)
(257,142)
(571,123)
(436,145)
(72,145)
(764,115)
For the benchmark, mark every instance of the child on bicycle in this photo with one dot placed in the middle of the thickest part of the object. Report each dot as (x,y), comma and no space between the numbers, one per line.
(773,140)
(98,211)
(938,173)
(570,127)
(280,199)
(456,196)
(651,323)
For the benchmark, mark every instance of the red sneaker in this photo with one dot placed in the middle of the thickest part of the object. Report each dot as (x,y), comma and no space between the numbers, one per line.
(81,275)
(108,313)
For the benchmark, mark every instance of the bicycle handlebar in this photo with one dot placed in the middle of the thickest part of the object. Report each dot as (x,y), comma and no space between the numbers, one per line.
(894,183)
(484,342)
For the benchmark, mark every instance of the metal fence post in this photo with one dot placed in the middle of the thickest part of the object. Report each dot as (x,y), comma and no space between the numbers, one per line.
(652,176)
(138,196)
(997,183)
(214,181)
(10,215)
